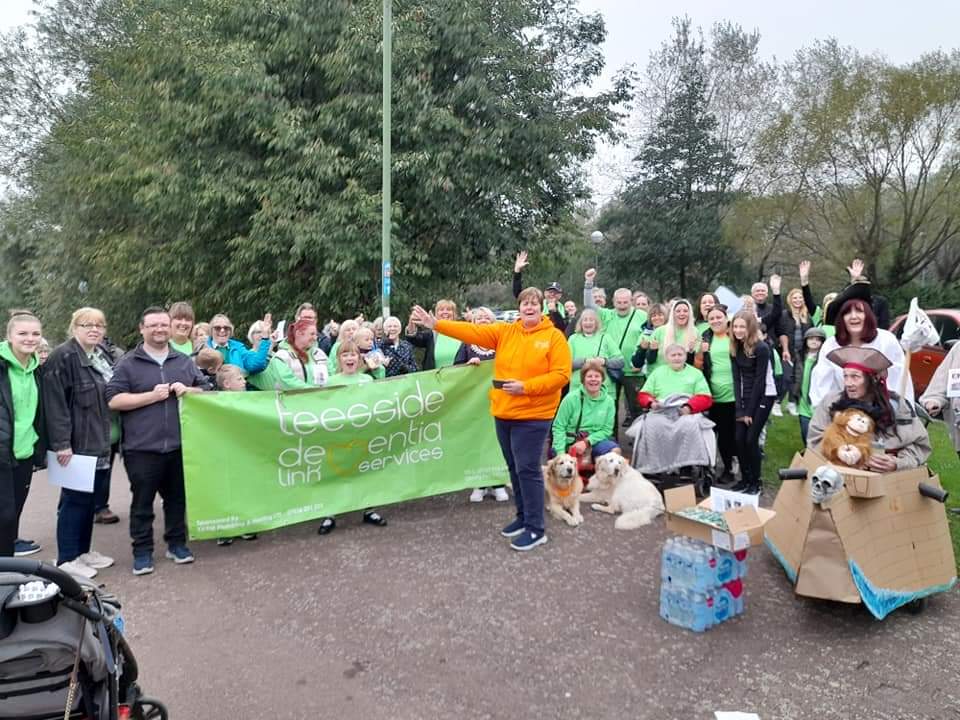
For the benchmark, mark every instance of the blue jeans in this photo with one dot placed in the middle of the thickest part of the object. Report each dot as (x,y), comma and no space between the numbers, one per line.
(75,519)
(804,428)
(522,443)
(603,447)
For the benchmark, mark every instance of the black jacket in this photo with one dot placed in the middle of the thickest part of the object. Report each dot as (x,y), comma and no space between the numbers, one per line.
(75,402)
(6,420)
(156,427)
(750,380)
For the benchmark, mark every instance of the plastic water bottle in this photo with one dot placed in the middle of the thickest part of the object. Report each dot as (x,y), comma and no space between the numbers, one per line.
(741,556)
(727,568)
(701,611)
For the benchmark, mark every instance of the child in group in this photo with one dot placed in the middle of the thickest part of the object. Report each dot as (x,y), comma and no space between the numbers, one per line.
(209,361)
(371,357)
(350,366)
(813,340)
(350,372)
(229,378)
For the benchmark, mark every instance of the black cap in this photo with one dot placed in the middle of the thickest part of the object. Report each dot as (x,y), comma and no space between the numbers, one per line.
(556,287)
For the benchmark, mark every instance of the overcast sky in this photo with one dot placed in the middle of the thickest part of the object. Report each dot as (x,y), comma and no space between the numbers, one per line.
(900,29)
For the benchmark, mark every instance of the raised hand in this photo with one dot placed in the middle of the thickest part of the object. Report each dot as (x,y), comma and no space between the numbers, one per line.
(804,272)
(590,274)
(775,281)
(855,269)
(521,262)
(422,317)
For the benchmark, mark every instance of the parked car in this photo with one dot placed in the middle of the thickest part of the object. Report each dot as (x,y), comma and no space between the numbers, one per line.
(924,362)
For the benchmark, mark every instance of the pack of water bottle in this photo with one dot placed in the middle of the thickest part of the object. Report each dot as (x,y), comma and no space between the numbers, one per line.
(700,585)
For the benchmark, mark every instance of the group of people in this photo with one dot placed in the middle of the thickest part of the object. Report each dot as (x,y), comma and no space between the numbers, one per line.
(559,376)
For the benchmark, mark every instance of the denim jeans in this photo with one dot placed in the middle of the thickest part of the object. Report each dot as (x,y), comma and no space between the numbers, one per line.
(151,473)
(14,486)
(522,444)
(804,428)
(75,519)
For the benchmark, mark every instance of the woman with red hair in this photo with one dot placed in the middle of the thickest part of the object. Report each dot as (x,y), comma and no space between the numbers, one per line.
(856,326)
(302,355)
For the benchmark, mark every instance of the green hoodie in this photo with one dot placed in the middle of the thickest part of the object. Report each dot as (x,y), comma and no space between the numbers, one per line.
(597,419)
(26,400)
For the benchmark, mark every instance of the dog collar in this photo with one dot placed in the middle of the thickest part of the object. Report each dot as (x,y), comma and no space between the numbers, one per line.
(563,494)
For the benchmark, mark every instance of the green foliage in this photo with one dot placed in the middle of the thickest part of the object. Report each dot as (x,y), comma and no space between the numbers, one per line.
(666,225)
(228,152)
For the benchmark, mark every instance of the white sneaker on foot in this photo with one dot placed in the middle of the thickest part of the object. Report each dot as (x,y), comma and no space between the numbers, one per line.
(477,495)
(500,494)
(792,409)
(78,568)
(95,560)
(776,411)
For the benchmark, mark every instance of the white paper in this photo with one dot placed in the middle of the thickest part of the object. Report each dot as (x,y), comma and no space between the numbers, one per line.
(722,500)
(953,383)
(77,475)
(721,715)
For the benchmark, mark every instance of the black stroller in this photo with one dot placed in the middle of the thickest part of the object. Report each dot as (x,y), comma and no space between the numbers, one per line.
(62,651)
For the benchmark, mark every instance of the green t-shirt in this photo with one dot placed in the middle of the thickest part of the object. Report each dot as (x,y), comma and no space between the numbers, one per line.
(721,370)
(702,327)
(597,418)
(625,331)
(342,379)
(777,362)
(804,407)
(665,381)
(659,336)
(185,348)
(591,346)
(332,359)
(445,350)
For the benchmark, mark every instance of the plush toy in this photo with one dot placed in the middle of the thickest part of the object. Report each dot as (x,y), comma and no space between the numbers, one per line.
(847,440)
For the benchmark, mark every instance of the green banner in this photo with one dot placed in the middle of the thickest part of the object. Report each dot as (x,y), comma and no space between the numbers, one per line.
(256,461)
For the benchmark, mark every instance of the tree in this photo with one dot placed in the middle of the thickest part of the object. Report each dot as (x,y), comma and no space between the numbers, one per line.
(229,152)
(666,225)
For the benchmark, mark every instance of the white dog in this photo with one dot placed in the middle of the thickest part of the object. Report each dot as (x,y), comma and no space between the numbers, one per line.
(621,489)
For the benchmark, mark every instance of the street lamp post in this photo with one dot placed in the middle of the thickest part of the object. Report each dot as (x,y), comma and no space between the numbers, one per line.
(386,270)
(596,237)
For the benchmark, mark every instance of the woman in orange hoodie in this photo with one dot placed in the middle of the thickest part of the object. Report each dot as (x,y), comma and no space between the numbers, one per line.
(532,365)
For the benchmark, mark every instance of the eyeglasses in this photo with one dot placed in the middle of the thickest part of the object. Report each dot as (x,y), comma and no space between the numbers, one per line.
(221,328)
(92,326)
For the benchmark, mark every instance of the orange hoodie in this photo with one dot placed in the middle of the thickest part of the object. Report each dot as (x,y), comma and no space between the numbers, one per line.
(539,357)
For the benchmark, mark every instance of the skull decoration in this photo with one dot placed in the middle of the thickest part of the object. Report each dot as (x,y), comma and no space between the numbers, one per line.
(825,483)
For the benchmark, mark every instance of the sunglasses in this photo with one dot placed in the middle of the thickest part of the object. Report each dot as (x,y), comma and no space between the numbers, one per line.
(221,328)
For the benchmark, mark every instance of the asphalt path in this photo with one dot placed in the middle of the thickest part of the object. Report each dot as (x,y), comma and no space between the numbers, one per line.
(435,617)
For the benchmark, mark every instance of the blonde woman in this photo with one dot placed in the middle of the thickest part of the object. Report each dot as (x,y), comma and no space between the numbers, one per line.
(794,323)
(590,342)
(440,350)
(680,330)
(199,335)
(348,329)
(754,393)
(21,431)
(79,422)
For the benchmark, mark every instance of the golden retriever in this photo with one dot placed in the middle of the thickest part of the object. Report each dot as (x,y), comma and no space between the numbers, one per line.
(564,486)
(618,488)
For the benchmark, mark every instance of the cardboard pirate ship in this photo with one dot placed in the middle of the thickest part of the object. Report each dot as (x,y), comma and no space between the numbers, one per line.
(877,541)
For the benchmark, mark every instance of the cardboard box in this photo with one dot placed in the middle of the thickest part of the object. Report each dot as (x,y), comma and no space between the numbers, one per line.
(878,541)
(735,529)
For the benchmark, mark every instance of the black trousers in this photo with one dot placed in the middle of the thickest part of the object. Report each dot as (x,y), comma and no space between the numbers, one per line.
(724,416)
(14,487)
(151,473)
(748,443)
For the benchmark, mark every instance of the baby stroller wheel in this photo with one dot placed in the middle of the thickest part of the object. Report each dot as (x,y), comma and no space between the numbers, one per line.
(149,709)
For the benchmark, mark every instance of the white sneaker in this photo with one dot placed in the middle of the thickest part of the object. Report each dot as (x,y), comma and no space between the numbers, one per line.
(776,411)
(792,409)
(95,560)
(78,568)
(477,495)
(500,494)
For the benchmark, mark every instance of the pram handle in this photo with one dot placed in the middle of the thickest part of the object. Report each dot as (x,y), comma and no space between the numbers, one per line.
(933,492)
(792,474)
(68,586)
